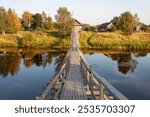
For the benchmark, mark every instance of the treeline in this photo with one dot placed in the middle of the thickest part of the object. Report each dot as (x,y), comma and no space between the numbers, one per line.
(126,23)
(11,23)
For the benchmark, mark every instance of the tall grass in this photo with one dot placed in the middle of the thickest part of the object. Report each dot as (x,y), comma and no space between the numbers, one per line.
(35,39)
(136,41)
(8,40)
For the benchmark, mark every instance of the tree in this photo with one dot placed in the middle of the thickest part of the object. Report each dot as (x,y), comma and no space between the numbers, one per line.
(12,22)
(86,27)
(44,17)
(127,23)
(3,15)
(116,22)
(64,21)
(113,28)
(37,21)
(26,20)
(46,21)
(49,23)
(145,28)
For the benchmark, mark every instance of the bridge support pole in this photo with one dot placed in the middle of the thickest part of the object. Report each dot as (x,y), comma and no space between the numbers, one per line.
(4,52)
(101,91)
(88,79)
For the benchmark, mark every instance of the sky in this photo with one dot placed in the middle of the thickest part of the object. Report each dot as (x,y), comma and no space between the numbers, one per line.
(93,12)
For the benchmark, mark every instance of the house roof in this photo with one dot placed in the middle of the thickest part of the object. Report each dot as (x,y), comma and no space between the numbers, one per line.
(104,25)
(76,22)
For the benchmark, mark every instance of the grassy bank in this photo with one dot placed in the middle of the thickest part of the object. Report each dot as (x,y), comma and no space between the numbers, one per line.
(116,41)
(34,40)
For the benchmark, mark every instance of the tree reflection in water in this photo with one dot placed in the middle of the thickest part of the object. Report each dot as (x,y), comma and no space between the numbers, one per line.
(125,60)
(10,62)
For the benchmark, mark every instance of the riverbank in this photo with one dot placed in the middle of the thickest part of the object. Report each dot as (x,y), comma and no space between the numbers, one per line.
(115,41)
(88,40)
(36,39)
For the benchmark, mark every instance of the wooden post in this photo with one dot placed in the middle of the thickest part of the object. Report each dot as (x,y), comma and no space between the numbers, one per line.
(91,80)
(61,76)
(4,52)
(88,79)
(101,91)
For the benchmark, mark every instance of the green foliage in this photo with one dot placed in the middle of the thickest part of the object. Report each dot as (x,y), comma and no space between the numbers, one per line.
(37,21)
(41,22)
(145,28)
(46,21)
(86,27)
(48,24)
(117,23)
(127,23)
(27,20)
(64,21)
(113,28)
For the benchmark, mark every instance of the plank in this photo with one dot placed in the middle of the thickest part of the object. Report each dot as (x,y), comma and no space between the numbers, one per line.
(74,85)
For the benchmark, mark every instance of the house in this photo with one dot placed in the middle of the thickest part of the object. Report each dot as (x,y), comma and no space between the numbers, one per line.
(77,26)
(105,26)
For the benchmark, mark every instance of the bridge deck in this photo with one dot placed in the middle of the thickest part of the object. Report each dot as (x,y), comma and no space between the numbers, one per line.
(69,84)
(73,88)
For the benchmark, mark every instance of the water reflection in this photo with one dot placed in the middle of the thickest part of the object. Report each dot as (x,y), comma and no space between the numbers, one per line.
(9,63)
(10,60)
(126,71)
(125,62)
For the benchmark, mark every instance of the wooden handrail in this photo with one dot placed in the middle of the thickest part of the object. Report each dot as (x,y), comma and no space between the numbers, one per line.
(59,77)
(97,86)
(105,89)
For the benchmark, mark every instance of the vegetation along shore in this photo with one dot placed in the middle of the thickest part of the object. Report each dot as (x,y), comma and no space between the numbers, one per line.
(124,32)
(115,41)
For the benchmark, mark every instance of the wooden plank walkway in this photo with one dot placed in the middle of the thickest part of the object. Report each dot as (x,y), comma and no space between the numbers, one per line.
(69,83)
(73,88)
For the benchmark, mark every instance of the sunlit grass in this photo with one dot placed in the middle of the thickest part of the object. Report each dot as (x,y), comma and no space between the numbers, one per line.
(36,39)
(108,40)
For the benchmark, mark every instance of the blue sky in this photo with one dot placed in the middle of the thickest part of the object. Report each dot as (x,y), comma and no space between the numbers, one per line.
(86,11)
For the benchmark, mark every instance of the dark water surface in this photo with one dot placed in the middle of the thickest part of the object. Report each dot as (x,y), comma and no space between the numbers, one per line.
(24,73)
(129,72)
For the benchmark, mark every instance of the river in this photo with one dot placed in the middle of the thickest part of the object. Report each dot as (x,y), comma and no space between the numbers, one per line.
(129,72)
(25,72)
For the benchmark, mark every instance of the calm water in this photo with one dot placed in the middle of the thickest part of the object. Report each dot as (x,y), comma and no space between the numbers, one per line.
(23,74)
(128,72)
